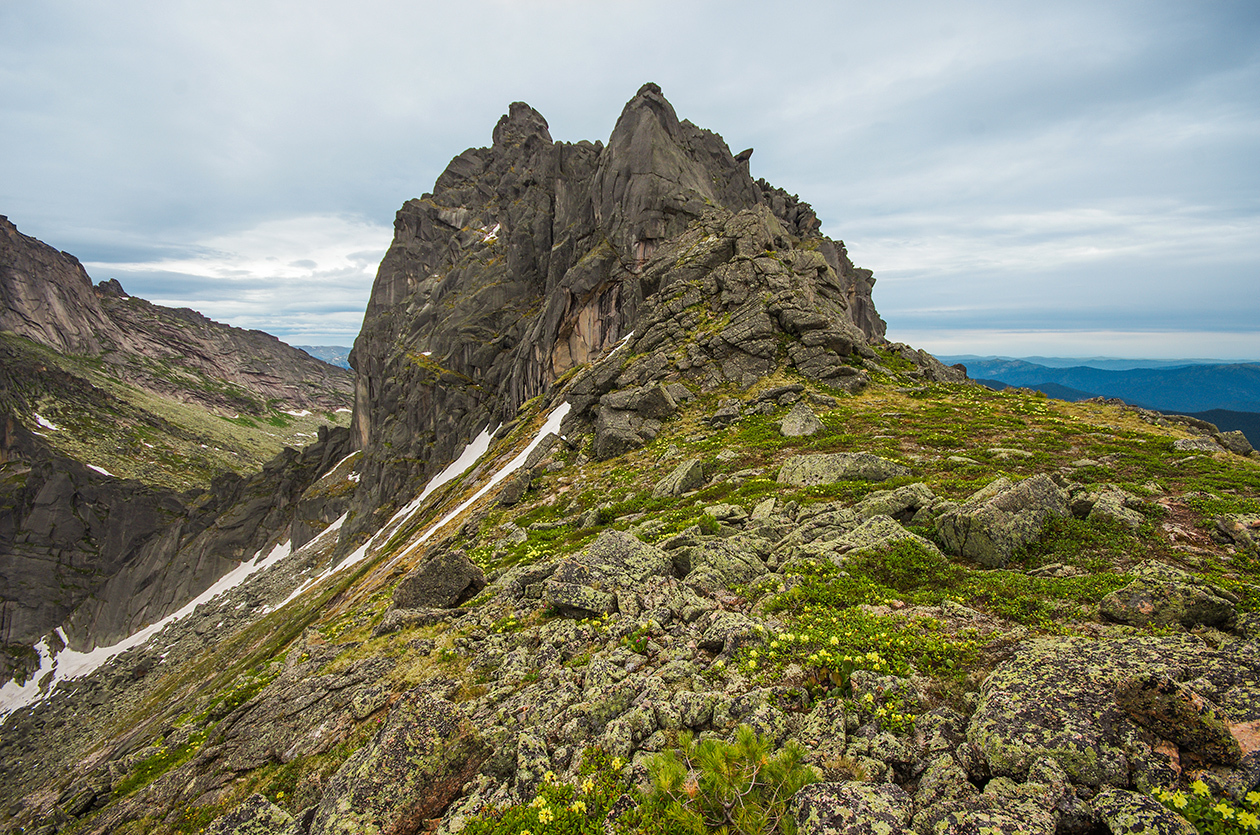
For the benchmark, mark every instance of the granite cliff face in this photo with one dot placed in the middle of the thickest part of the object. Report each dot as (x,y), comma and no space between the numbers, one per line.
(533,257)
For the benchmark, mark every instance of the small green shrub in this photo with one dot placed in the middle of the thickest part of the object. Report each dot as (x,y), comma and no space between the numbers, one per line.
(737,788)
(1219,817)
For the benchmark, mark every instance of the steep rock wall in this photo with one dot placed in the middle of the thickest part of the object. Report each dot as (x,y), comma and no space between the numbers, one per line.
(527,261)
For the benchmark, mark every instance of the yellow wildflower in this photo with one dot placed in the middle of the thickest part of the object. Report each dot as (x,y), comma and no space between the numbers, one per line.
(1248,821)
(1253,798)
(550,777)
(588,785)
(618,763)
(1179,800)
(538,802)
(1224,810)
(1200,788)
(578,806)
(545,816)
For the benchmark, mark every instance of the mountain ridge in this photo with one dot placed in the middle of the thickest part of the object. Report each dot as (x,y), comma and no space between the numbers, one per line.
(666,475)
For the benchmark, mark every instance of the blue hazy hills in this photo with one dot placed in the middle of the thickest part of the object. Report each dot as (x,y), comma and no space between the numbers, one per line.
(1225,393)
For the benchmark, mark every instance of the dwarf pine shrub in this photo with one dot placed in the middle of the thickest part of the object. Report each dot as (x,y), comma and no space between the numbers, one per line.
(736,788)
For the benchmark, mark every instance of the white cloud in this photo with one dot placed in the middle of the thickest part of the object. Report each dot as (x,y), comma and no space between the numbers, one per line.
(304,279)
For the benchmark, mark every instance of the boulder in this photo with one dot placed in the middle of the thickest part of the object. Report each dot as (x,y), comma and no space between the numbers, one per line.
(901,504)
(1000,518)
(256,816)
(687,476)
(728,412)
(1161,595)
(806,470)
(1119,506)
(419,761)
(1234,441)
(445,580)
(1131,813)
(718,564)
(587,583)
(851,809)
(799,422)
(1179,715)
(1057,699)
(880,532)
(1199,444)
(618,431)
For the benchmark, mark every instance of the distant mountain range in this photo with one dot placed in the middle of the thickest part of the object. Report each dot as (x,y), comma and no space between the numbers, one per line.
(1227,394)
(338,355)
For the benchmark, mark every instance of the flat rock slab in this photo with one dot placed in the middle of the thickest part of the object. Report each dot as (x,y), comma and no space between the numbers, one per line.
(807,470)
(851,809)
(1057,699)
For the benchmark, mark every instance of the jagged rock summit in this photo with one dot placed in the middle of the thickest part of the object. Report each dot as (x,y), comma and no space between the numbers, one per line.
(533,257)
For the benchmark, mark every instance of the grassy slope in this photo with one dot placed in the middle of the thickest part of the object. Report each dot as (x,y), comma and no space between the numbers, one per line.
(947,434)
(133,433)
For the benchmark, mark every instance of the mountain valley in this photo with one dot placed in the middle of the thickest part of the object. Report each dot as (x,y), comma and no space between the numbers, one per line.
(631,462)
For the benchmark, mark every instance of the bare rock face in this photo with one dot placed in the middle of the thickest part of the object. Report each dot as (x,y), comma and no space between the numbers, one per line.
(532,257)
(46,296)
(107,556)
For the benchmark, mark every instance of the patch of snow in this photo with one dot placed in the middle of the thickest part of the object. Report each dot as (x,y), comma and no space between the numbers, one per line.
(621,344)
(298,412)
(100,470)
(354,477)
(491,235)
(550,425)
(426,353)
(146,443)
(69,664)
(46,423)
(479,446)
(344,409)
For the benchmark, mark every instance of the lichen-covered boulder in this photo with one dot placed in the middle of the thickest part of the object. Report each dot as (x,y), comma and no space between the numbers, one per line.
(256,816)
(587,583)
(1057,699)
(1118,506)
(1161,595)
(806,470)
(1130,813)
(720,563)
(1000,518)
(446,579)
(687,476)
(880,532)
(1180,715)
(901,504)
(799,422)
(851,809)
(418,762)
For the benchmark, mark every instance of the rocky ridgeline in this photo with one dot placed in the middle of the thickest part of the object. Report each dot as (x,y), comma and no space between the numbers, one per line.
(974,611)
(655,626)
(533,257)
(47,297)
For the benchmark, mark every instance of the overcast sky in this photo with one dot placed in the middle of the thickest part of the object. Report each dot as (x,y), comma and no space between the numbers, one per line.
(1067,178)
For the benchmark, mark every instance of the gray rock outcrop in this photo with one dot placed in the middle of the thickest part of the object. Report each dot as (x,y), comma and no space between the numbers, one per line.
(1000,518)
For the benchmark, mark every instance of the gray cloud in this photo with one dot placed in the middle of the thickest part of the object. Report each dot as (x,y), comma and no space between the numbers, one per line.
(1004,168)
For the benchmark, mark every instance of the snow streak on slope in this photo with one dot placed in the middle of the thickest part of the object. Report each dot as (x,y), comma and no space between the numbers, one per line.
(471,454)
(55,668)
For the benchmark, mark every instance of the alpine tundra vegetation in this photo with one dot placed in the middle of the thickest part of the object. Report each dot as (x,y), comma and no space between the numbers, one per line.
(642,525)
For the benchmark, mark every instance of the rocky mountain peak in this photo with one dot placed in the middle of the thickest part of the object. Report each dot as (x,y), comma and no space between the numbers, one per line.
(46,296)
(532,257)
(521,124)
